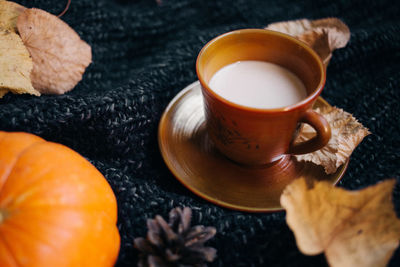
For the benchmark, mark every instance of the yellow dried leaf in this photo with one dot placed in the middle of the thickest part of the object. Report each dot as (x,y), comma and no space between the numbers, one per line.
(9,12)
(59,55)
(353,228)
(347,133)
(323,35)
(15,64)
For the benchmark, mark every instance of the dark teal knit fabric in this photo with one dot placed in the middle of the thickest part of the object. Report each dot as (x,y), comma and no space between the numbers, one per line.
(144,54)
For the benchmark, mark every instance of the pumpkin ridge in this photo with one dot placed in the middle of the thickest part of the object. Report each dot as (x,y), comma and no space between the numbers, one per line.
(71,208)
(79,208)
(51,221)
(11,166)
(2,216)
(26,232)
(48,224)
(9,250)
(58,206)
(14,198)
(16,228)
(11,200)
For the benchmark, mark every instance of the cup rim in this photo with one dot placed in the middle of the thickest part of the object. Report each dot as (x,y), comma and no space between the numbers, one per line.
(309,99)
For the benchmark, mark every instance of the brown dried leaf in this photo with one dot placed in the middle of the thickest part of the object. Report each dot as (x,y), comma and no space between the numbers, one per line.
(3,92)
(9,12)
(353,228)
(318,40)
(15,65)
(347,133)
(292,27)
(323,35)
(59,56)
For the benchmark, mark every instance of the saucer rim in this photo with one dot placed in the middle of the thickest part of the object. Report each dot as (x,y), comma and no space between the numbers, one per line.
(340,172)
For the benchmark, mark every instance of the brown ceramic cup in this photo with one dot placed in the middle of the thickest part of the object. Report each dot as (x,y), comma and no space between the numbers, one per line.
(254,136)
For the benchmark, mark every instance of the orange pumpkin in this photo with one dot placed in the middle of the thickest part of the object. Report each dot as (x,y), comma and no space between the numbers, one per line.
(56,209)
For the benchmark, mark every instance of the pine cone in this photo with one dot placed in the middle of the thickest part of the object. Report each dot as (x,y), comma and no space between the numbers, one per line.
(175,243)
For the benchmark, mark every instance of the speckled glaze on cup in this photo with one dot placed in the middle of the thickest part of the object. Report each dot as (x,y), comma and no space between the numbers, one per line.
(254,136)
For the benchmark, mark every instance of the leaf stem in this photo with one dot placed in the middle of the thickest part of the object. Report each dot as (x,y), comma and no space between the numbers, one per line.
(65,9)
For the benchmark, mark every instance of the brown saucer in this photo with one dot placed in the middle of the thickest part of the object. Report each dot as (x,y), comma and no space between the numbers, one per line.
(194,161)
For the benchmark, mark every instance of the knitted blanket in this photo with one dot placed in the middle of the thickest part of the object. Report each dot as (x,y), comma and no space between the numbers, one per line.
(144,54)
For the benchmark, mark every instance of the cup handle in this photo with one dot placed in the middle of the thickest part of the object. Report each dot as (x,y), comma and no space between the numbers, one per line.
(319,123)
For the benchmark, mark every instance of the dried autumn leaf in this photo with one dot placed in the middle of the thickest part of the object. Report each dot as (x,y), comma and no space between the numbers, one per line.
(323,35)
(338,32)
(347,133)
(15,65)
(292,27)
(59,55)
(3,92)
(318,40)
(9,12)
(353,228)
